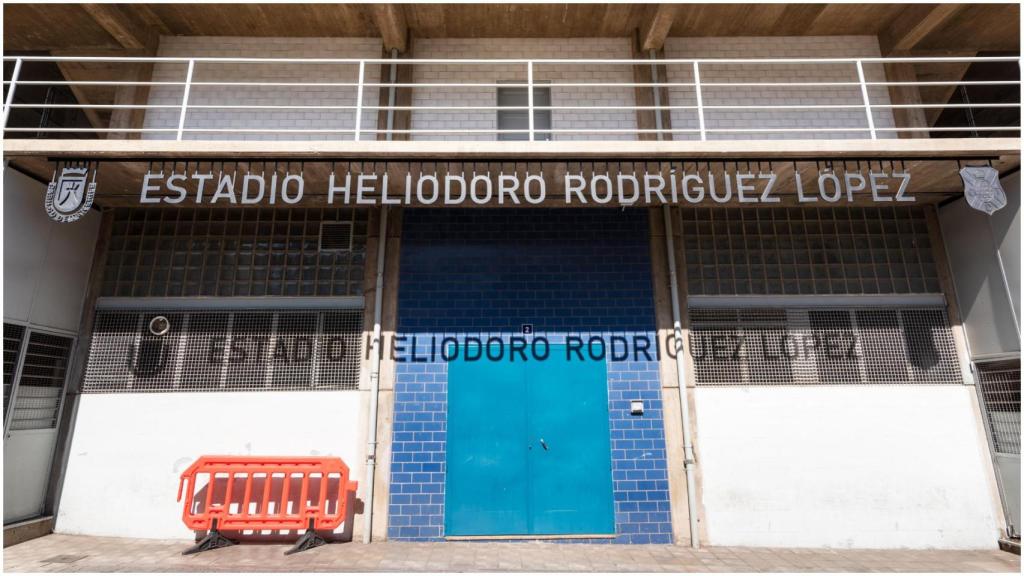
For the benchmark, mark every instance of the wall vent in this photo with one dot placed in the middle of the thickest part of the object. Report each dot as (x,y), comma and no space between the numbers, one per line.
(335,236)
(13,337)
(1000,391)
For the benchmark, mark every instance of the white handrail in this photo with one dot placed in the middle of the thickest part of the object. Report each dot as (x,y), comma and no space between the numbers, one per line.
(359,98)
(693,96)
(699,95)
(529,96)
(10,92)
(486,61)
(184,97)
(867,101)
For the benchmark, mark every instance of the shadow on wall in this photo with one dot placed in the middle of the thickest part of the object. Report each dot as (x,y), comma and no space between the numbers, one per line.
(253,495)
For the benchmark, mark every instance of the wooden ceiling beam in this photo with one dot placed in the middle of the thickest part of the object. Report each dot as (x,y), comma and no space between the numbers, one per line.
(127,30)
(913,25)
(656,26)
(391,23)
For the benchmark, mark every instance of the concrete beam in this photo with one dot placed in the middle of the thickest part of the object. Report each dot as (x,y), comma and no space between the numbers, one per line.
(906,117)
(656,26)
(129,32)
(391,23)
(797,19)
(80,94)
(681,149)
(152,19)
(913,24)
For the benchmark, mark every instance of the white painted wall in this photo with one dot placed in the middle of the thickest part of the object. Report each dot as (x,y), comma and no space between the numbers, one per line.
(845,467)
(218,46)
(46,263)
(484,48)
(778,47)
(129,450)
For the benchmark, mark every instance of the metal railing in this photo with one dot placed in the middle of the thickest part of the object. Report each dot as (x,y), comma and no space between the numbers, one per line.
(699,108)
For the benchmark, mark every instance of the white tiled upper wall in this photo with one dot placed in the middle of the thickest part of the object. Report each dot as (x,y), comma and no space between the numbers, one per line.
(319,119)
(778,47)
(519,48)
(577,48)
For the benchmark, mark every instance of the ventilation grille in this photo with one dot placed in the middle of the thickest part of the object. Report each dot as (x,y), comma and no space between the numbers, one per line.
(225,350)
(774,346)
(335,236)
(1000,389)
(13,335)
(41,385)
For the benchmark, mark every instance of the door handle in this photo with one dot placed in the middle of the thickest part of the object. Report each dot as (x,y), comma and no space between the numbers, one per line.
(543,444)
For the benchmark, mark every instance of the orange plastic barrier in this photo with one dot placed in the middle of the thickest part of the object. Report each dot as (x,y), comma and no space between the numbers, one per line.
(264,493)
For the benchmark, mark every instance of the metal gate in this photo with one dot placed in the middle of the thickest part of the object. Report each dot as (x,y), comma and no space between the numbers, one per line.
(35,375)
(999,389)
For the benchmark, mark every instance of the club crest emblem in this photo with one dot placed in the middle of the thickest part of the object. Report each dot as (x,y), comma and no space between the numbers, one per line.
(982,188)
(70,196)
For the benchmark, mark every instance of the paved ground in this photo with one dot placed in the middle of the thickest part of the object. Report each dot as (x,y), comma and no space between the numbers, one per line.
(61,553)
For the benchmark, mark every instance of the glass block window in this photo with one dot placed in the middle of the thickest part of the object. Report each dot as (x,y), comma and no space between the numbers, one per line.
(159,252)
(782,251)
(779,346)
(218,350)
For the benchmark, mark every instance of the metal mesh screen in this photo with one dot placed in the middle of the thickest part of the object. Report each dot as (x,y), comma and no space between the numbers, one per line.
(232,252)
(43,371)
(213,350)
(1000,391)
(743,251)
(775,346)
(13,335)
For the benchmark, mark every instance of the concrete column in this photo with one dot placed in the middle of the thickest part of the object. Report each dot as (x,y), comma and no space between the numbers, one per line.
(385,401)
(669,381)
(906,117)
(134,118)
(401,119)
(647,119)
(76,371)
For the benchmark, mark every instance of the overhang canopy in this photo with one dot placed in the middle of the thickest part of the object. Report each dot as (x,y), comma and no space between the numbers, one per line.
(932,163)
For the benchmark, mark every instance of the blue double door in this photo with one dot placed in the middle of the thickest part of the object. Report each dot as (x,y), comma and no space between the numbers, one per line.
(528,450)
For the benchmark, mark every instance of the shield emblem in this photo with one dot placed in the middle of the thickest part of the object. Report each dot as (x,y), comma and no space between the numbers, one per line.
(982,188)
(70,191)
(70,196)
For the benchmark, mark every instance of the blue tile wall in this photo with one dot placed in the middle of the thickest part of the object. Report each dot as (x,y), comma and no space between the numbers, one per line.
(569,272)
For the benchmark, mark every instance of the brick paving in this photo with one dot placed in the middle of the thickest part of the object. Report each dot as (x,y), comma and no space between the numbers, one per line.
(64,553)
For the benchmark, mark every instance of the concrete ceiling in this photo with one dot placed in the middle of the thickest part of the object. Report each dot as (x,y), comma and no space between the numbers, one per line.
(127,28)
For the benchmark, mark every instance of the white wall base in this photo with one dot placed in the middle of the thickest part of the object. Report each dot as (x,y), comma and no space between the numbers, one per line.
(129,450)
(844,467)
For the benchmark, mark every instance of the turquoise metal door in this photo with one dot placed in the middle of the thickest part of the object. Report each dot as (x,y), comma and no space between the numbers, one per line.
(569,446)
(528,450)
(485,487)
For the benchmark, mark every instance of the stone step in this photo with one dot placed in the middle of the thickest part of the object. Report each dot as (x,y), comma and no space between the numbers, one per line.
(19,532)
(1010,545)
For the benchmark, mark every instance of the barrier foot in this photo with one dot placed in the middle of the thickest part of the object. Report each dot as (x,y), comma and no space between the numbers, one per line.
(308,540)
(213,540)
